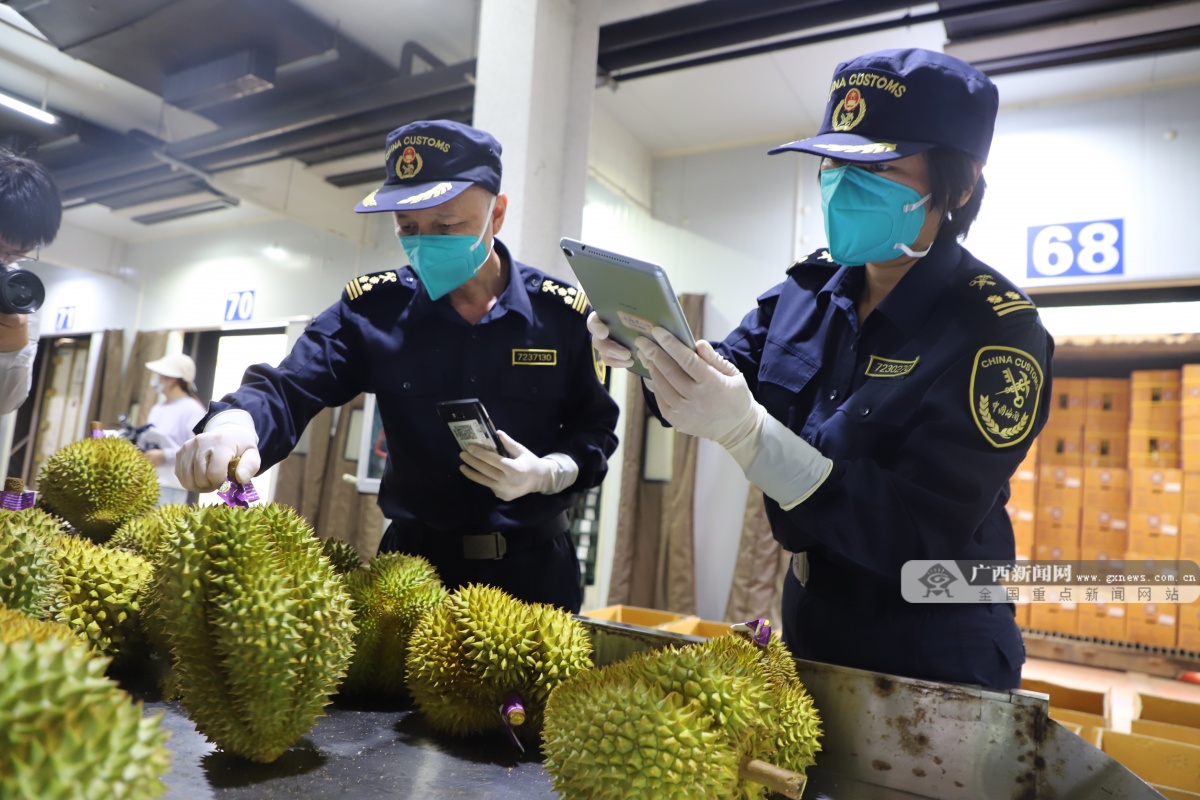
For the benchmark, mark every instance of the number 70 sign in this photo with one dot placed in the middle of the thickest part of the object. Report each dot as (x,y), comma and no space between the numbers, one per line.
(1077,249)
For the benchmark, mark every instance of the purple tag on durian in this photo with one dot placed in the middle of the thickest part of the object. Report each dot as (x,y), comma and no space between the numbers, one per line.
(17,501)
(513,713)
(236,494)
(759,630)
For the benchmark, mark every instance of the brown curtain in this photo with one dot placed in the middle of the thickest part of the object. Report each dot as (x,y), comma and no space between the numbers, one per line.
(301,476)
(343,512)
(135,383)
(106,386)
(762,564)
(654,564)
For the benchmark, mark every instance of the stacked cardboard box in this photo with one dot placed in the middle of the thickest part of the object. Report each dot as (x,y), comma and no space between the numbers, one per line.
(1061,441)
(1106,422)
(1154,415)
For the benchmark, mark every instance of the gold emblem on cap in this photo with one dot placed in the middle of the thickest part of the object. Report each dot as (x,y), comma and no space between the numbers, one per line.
(408,164)
(850,111)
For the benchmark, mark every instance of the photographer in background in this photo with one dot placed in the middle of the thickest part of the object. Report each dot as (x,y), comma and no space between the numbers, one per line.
(30,213)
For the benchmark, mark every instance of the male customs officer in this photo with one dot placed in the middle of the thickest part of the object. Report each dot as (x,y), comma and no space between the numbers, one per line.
(465,320)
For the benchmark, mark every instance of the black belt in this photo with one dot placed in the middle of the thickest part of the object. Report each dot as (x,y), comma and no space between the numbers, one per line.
(486,546)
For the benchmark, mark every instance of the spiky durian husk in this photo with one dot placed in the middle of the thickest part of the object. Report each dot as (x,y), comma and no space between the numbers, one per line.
(478,647)
(29,574)
(103,596)
(678,722)
(342,555)
(389,595)
(68,733)
(142,535)
(97,485)
(15,626)
(259,626)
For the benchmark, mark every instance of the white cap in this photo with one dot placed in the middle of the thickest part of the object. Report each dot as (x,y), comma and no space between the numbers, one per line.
(176,365)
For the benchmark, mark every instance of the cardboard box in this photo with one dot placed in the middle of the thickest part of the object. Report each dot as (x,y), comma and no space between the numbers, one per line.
(1163,416)
(1054,617)
(1155,489)
(1102,621)
(1068,402)
(1189,627)
(1154,624)
(1057,527)
(1022,614)
(1105,485)
(1191,391)
(694,626)
(1189,537)
(1155,386)
(1061,445)
(1166,718)
(1022,488)
(1102,545)
(1189,451)
(1024,525)
(1059,485)
(1160,762)
(1156,448)
(1106,401)
(1105,519)
(1191,492)
(1097,705)
(1154,534)
(1105,448)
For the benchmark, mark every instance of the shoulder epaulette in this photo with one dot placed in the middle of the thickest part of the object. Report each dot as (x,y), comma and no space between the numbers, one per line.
(998,294)
(565,292)
(819,256)
(363,284)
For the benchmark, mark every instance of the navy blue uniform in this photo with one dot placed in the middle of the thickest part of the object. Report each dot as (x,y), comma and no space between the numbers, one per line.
(531,363)
(925,409)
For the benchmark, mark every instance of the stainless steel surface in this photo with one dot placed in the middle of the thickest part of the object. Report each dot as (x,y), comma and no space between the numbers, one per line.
(886,738)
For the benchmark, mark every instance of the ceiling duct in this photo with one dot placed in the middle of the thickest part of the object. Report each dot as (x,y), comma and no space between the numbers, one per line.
(236,75)
(218,204)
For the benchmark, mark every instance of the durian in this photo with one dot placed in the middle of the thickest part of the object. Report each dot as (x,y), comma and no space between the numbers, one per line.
(15,626)
(679,723)
(103,596)
(69,733)
(259,626)
(29,573)
(342,555)
(141,535)
(389,595)
(481,648)
(97,485)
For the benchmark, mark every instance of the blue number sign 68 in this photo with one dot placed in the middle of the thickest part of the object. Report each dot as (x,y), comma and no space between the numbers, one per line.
(1077,249)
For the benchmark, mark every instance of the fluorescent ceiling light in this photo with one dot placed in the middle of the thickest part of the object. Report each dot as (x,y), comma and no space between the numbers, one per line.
(25,108)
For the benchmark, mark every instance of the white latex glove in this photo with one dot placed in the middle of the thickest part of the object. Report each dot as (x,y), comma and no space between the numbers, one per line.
(611,353)
(201,465)
(703,394)
(699,392)
(521,474)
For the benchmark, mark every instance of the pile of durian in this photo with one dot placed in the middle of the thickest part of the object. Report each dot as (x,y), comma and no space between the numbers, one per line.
(261,624)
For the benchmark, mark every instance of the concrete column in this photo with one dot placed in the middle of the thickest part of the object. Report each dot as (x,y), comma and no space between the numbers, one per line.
(535,81)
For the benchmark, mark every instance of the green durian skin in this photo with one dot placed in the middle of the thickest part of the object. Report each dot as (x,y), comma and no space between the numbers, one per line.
(103,597)
(15,626)
(342,555)
(69,733)
(678,722)
(390,595)
(29,575)
(142,535)
(258,625)
(97,485)
(480,646)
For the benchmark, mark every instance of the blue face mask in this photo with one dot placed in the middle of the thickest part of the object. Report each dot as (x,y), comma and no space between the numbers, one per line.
(869,219)
(444,263)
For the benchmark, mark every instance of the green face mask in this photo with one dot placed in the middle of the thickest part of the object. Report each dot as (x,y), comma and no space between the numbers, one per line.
(869,219)
(444,263)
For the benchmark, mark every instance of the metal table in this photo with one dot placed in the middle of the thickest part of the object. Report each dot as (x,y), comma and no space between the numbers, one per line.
(886,738)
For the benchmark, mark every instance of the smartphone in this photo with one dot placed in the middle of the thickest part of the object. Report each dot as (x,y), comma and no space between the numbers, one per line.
(469,422)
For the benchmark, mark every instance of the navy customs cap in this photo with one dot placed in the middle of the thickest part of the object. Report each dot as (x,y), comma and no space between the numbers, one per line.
(432,161)
(896,103)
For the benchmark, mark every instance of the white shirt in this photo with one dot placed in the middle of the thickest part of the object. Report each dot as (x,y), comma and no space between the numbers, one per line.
(16,369)
(176,420)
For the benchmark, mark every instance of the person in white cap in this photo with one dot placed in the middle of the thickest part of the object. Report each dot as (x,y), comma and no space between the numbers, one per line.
(172,418)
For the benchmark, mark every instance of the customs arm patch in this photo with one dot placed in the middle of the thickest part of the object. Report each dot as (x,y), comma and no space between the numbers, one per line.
(1006,387)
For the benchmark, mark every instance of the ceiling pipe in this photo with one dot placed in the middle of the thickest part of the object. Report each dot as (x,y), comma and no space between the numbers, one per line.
(825,36)
(1159,42)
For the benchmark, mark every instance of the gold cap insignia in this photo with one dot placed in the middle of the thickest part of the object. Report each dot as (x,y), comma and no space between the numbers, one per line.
(408,164)
(1006,387)
(850,111)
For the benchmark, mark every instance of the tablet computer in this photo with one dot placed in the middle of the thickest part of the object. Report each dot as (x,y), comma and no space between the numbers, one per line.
(630,296)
